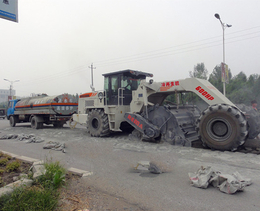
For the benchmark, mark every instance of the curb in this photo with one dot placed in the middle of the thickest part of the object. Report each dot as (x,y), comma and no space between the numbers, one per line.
(72,170)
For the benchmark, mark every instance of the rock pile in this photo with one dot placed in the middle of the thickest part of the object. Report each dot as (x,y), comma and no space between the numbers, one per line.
(55,146)
(31,138)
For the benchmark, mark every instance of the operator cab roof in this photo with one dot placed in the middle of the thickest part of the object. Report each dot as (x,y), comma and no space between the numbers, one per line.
(132,73)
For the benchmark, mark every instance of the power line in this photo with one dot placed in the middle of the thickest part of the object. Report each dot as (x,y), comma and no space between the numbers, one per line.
(166,51)
(57,75)
(173,50)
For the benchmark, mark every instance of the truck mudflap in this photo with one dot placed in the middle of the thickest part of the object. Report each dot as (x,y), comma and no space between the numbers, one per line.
(59,118)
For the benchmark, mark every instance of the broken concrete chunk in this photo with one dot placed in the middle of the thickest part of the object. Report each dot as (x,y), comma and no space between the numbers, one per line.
(55,146)
(154,168)
(227,183)
(9,136)
(151,166)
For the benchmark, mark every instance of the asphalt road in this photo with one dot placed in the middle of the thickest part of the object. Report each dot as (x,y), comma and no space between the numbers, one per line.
(112,159)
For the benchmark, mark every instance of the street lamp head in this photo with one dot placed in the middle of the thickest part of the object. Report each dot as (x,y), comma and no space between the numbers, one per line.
(228,25)
(217,16)
(11,81)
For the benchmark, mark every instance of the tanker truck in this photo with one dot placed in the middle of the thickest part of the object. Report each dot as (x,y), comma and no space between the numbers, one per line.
(42,109)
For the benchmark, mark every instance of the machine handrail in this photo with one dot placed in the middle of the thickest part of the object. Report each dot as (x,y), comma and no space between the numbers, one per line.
(121,96)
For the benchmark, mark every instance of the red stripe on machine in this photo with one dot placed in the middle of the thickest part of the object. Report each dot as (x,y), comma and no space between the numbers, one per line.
(135,121)
(204,93)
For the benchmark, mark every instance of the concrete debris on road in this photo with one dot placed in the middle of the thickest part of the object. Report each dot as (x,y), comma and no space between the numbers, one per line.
(55,146)
(9,136)
(224,182)
(31,138)
(152,167)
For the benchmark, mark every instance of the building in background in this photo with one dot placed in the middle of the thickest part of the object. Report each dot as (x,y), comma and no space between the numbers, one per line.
(5,93)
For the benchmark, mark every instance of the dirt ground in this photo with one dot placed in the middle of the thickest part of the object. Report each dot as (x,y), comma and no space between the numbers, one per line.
(76,195)
(7,177)
(79,196)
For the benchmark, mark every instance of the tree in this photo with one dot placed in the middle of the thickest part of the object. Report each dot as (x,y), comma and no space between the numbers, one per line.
(243,90)
(215,77)
(240,89)
(199,71)
(256,88)
(237,82)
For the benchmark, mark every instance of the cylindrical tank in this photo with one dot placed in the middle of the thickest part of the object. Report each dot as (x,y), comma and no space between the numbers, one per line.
(63,104)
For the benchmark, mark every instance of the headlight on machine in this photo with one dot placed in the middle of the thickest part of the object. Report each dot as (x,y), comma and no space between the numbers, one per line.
(100,95)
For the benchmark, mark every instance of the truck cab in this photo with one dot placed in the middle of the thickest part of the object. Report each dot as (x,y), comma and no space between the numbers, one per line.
(11,108)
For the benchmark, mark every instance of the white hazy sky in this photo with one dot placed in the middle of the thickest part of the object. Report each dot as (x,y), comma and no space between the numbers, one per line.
(52,46)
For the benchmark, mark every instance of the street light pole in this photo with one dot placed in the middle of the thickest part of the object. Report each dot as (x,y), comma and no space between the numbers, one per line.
(223,25)
(11,85)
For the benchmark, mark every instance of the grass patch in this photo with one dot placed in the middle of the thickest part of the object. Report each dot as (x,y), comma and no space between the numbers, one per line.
(43,195)
(30,199)
(54,176)
(3,161)
(12,166)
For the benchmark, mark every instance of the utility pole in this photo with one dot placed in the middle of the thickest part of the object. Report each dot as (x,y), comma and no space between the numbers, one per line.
(11,87)
(224,26)
(11,90)
(92,85)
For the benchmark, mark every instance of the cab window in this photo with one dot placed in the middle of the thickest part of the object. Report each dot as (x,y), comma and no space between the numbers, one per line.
(129,83)
(106,84)
(10,104)
(114,84)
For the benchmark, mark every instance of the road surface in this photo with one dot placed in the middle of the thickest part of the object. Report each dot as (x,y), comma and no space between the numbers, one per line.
(112,159)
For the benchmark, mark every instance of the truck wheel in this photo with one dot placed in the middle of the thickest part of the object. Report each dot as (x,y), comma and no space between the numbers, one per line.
(35,124)
(12,121)
(222,127)
(97,124)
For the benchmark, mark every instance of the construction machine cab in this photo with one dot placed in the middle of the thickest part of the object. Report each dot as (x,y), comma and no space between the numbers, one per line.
(119,85)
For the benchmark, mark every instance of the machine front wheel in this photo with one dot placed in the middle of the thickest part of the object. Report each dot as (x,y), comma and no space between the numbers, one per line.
(97,124)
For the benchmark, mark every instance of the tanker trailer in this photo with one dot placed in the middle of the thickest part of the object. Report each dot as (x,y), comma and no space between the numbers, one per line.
(41,109)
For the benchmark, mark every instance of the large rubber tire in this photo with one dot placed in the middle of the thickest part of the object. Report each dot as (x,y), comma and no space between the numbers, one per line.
(12,121)
(222,127)
(253,119)
(35,124)
(97,123)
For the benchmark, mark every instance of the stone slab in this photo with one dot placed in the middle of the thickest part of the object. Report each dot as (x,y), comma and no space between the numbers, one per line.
(80,172)
(8,189)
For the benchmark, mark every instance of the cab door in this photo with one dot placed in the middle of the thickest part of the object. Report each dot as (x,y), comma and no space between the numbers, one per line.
(10,110)
(112,83)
